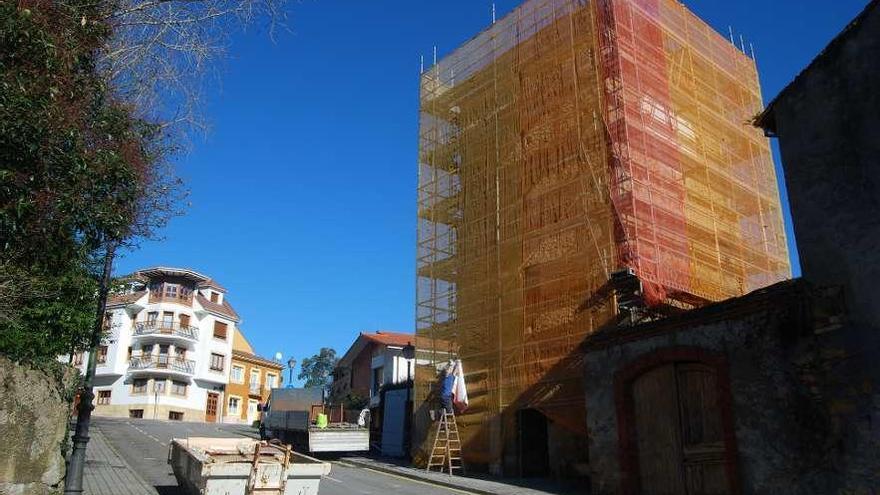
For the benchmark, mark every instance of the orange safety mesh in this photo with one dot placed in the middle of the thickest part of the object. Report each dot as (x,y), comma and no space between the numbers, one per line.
(571,139)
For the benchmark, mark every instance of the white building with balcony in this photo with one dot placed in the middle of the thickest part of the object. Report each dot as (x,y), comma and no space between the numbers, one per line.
(168,348)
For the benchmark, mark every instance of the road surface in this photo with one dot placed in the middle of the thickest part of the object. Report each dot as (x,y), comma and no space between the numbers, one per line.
(144,445)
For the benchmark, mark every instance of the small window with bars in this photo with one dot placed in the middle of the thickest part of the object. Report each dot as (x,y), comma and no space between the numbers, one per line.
(103,397)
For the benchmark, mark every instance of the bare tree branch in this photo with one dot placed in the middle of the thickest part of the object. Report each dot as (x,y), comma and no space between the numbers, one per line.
(163,51)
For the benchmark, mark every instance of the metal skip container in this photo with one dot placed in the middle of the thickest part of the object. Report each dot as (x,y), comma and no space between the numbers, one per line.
(236,466)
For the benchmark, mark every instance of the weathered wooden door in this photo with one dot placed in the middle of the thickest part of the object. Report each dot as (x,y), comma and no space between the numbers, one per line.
(679,433)
(211,408)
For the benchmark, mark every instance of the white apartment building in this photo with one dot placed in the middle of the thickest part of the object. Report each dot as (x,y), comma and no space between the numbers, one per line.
(168,348)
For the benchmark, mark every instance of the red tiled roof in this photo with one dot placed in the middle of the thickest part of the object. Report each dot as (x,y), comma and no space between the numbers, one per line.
(211,283)
(390,338)
(125,298)
(224,309)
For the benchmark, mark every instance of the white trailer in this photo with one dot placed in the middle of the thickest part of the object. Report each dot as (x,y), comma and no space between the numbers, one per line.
(287,417)
(236,466)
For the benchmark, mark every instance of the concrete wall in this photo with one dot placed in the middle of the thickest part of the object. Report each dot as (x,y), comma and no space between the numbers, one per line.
(34,407)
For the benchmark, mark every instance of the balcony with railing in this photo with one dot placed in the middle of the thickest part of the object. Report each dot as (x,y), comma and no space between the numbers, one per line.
(166,329)
(162,363)
(161,297)
(171,293)
(255,389)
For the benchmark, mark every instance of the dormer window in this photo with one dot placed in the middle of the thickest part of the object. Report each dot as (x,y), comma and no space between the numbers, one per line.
(215,297)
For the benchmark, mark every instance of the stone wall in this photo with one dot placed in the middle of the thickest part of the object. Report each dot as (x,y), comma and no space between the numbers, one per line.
(828,124)
(801,414)
(34,407)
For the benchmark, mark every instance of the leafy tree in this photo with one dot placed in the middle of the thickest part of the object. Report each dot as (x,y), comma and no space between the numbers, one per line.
(317,370)
(77,169)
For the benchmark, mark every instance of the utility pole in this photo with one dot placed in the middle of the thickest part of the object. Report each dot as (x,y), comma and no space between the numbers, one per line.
(73,482)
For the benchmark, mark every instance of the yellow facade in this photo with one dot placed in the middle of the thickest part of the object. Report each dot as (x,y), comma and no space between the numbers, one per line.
(251,379)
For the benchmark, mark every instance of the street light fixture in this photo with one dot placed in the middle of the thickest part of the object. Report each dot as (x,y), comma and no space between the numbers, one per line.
(291,364)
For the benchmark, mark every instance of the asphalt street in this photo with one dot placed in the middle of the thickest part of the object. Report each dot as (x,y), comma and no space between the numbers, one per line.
(144,445)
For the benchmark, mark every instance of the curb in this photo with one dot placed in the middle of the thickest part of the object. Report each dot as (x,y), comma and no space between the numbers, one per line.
(415,477)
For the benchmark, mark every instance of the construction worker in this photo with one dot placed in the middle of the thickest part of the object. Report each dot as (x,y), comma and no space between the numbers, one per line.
(447,383)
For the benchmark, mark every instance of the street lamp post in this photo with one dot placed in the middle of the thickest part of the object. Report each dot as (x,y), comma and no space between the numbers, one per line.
(409,353)
(291,364)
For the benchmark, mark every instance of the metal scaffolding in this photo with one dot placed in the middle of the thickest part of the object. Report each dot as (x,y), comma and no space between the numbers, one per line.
(569,140)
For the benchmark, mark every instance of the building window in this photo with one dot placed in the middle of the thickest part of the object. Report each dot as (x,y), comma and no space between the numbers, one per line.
(178,388)
(139,386)
(184,321)
(234,408)
(255,377)
(78,359)
(237,374)
(152,316)
(378,374)
(147,350)
(220,330)
(215,297)
(171,290)
(270,381)
(128,358)
(167,319)
(159,387)
(103,397)
(136,413)
(175,415)
(102,354)
(217,362)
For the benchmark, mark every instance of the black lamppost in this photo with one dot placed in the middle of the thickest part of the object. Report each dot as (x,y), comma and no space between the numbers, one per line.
(409,353)
(291,364)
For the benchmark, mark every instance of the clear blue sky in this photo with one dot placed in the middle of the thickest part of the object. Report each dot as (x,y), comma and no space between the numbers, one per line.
(303,192)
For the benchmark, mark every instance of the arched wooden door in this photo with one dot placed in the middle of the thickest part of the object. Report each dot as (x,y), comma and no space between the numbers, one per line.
(679,434)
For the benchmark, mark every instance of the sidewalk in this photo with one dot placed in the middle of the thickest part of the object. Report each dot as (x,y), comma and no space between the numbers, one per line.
(480,484)
(106,473)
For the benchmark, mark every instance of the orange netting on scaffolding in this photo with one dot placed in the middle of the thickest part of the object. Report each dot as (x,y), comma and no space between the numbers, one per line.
(567,141)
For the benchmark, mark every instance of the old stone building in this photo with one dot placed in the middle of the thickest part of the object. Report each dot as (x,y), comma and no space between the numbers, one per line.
(774,391)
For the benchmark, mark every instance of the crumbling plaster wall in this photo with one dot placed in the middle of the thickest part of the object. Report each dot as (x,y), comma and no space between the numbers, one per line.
(34,408)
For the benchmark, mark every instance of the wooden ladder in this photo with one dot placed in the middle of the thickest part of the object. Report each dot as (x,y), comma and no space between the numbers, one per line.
(446,453)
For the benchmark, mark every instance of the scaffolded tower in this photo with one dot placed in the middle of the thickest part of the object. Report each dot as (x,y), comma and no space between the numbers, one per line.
(569,140)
